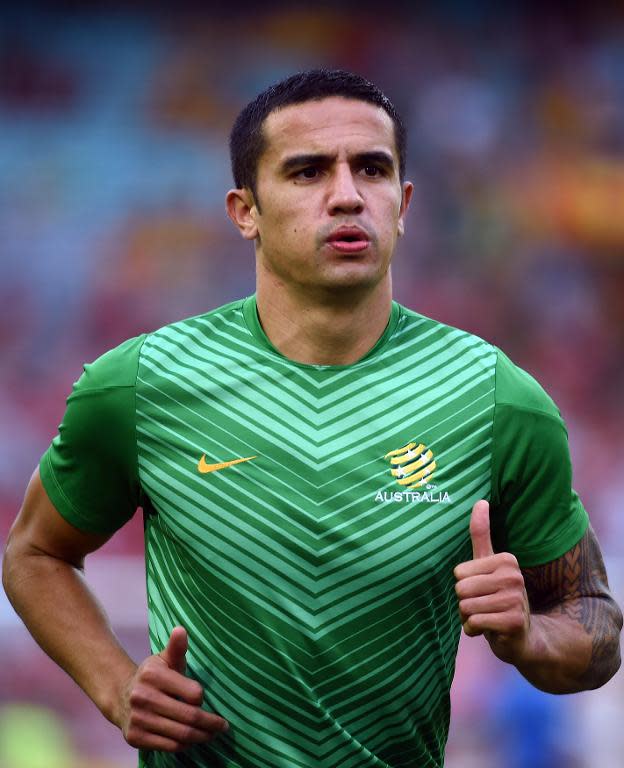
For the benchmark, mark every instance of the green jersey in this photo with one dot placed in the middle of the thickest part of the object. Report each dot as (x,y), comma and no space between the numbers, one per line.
(302,522)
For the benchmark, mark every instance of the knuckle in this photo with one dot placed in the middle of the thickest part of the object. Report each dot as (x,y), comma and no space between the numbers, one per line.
(132,737)
(139,696)
(511,599)
(190,735)
(520,603)
(184,734)
(469,626)
(509,560)
(518,586)
(514,580)
(170,745)
(522,621)
(136,720)
(196,719)
(196,692)
(515,621)
(136,697)
(464,607)
(149,674)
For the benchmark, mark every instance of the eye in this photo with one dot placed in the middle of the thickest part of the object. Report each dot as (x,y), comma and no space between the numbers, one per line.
(372,170)
(308,173)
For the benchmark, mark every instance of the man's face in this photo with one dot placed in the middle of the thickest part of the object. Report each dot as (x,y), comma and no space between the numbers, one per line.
(331,201)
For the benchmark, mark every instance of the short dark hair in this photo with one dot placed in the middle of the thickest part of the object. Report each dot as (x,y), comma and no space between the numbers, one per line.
(247,141)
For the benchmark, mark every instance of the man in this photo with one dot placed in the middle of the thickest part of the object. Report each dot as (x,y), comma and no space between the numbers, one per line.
(319,469)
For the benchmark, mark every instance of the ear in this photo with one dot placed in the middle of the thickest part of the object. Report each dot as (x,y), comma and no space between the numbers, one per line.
(242,210)
(408,188)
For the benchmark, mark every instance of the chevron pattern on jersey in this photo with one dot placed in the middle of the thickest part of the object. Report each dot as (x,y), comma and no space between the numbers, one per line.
(317,591)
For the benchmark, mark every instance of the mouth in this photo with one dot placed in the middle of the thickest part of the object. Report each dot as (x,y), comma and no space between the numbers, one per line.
(348,240)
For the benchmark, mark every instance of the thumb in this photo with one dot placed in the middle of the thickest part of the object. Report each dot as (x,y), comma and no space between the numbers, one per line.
(480,530)
(174,654)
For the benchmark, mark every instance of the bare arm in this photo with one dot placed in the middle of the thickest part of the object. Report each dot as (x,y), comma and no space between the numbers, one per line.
(557,623)
(43,578)
(572,593)
(153,704)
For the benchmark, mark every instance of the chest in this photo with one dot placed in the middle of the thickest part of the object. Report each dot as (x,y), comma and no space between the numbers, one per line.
(316,467)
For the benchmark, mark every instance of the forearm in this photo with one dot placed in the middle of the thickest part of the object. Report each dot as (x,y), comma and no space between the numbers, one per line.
(575,622)
(64,617)
(573,647)
(154,705)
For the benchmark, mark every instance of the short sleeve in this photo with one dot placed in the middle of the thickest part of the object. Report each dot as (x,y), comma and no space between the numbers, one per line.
(90,469)
(536,514)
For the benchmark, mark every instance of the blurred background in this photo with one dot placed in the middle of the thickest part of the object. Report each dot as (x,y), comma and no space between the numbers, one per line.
(114,120)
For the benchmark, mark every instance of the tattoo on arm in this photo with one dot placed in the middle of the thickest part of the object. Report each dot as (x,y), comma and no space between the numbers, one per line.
(576,586)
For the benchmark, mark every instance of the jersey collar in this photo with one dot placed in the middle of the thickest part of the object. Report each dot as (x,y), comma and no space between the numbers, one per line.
(250,315)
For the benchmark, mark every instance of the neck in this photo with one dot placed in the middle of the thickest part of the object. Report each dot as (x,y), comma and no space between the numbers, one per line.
(336,329)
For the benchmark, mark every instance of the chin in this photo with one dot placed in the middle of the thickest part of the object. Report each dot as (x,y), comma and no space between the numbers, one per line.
(353,281)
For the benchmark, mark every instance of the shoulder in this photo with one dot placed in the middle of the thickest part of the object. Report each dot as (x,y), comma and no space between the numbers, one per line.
(118,367)
(414,322)
(518,390)
(199,329)
(526,421)
(446,344)
(515,388)
(227,313)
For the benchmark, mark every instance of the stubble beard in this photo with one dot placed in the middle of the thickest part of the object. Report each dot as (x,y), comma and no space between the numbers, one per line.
(341,274)
(335,278)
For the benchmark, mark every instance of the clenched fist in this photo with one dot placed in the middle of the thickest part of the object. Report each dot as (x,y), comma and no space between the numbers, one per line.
(492,597)
(161,707)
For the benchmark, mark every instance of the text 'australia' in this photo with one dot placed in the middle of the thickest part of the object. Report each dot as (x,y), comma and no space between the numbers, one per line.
(427,497)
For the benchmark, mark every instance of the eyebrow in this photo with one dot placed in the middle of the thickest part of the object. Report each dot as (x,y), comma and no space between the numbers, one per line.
(319,158)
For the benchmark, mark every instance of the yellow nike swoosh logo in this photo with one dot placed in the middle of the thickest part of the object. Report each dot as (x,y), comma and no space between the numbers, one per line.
(204,467)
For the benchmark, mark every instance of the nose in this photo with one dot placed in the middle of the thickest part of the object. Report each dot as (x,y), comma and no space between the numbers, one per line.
(344,195)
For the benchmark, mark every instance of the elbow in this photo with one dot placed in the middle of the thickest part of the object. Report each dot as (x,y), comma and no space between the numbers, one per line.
(618,620)
(616,654)
(14,565)
(606,653)
(617,664)
(609,669)
(7,569)
(616,645)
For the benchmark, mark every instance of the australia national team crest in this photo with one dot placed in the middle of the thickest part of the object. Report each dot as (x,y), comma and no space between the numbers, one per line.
(413,467)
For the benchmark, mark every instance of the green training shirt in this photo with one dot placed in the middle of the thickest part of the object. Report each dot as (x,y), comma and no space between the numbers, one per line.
(303,521)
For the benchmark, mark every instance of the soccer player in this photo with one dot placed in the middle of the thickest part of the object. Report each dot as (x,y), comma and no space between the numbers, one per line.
(332,486)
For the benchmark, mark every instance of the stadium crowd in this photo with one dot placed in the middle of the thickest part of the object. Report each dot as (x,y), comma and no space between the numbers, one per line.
(113,169)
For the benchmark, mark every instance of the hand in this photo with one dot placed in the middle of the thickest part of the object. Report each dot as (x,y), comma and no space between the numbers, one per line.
(491,592)
(161,708)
